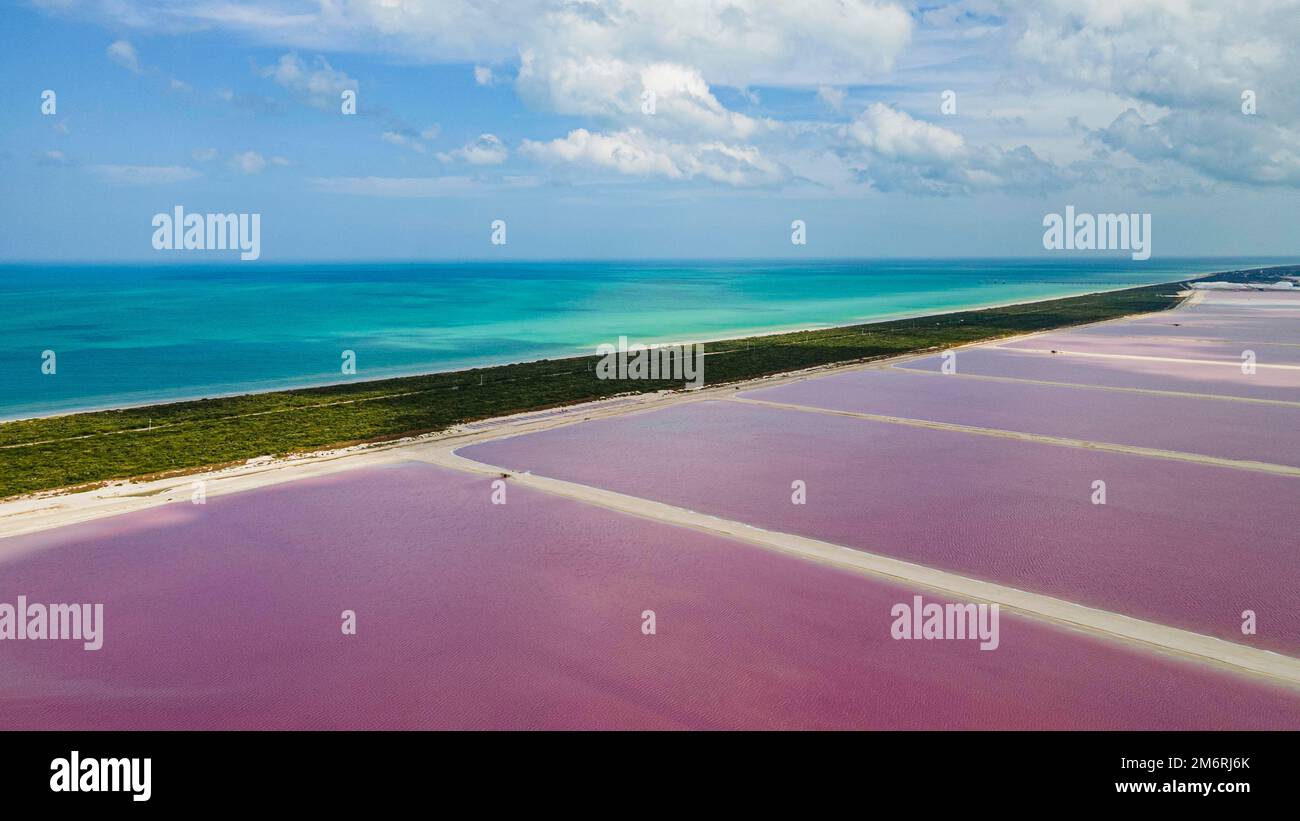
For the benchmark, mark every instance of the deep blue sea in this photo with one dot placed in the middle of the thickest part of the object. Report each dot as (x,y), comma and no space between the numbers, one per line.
(131,334)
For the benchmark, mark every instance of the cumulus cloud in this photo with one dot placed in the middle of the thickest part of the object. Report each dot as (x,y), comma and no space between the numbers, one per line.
(739,43)
(487,149)
(895,135)
(1227,149)
(833,98)
(124,54)
(1189,54)
(1180,65)
(1183,67)
(318,84)
(643,67)
(632,152)
(897,152)
(596,57)
(664,97)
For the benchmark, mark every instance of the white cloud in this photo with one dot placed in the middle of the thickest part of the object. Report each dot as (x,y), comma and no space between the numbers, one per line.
(407,137)
(487,149)
(579,57)
(124,54)
(144,174)
(634,153)
(400,139)
(618,61)
(738,43)
(897,152)
(318,84)
(248,162)
(893,134)
(832,97)
(1190,53)
(1228,149)
(682,95)
(1178,71)
(1044,79)
(662,97)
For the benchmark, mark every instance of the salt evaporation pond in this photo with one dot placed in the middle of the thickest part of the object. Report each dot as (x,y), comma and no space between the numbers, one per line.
(1230,430)
(1188,377)
(528,615)
(1179,543)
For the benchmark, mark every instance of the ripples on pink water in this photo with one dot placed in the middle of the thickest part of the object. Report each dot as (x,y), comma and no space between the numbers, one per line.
(527,615)
(1232,430)
(1183,544)
(1215,379)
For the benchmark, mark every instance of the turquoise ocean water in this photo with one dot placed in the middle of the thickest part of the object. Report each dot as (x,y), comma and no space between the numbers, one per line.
(131,334)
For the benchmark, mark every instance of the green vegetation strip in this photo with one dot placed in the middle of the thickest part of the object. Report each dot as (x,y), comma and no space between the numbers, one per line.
(87,448)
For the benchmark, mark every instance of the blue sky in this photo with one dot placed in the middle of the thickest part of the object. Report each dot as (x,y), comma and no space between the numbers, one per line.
(533,112)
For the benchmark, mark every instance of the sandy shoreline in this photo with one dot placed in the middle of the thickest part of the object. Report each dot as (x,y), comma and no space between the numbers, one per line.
(46,510)
(35,514)
(586,351)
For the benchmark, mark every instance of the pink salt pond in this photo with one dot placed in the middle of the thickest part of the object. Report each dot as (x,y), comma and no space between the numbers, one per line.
(1229,430)
(1266,353)
(1218,379)
(1183,544)
(528,615)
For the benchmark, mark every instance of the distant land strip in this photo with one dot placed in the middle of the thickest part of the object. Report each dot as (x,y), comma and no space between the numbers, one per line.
(81,450)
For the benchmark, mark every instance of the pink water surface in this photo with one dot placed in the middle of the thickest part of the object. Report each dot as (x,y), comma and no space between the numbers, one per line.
(1179,543)
(1170,347)
(1244,327)
(1214,299)
(1231,430)
(527,615)
(1239,316)
(1216,380)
